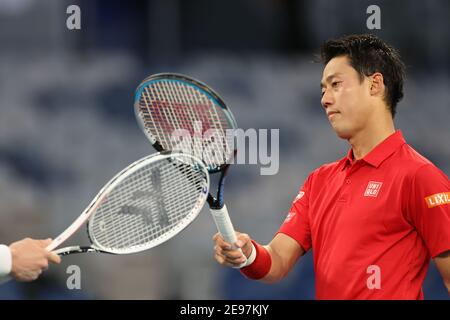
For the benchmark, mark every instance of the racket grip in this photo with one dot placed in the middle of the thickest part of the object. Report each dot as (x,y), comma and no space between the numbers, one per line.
(225,228)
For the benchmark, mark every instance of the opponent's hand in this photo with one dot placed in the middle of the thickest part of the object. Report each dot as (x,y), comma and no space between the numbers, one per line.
(30,257)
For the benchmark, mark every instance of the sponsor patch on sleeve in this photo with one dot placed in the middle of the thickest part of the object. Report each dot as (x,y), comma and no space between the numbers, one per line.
(290,215)
(438,199)
(299,196)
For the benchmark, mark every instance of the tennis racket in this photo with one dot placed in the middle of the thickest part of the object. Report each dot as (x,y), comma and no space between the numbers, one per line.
(166,103)
(144,205)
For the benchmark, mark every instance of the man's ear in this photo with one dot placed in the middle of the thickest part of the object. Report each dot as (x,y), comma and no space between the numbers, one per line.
(377,84)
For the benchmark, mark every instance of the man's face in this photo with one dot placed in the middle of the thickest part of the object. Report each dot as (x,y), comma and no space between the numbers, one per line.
(345,98)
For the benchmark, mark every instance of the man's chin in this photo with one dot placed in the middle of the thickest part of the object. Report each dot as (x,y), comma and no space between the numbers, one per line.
(342,133)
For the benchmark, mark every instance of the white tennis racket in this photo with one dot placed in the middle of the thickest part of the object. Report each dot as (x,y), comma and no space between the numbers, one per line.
(144,205)
(168,102)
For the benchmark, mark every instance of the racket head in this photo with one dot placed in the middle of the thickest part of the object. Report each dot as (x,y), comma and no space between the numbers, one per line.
(148,203)
(166,102)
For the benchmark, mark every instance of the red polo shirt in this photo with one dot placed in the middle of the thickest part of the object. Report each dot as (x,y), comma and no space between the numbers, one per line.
(374,223)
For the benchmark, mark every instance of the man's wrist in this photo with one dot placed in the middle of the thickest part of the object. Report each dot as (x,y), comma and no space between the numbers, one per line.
(261,265)
(251,258)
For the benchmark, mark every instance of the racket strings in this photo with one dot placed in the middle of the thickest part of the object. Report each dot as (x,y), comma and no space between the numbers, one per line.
(140,226)
(168,105)
(141,223)
(149,205)
(150,219)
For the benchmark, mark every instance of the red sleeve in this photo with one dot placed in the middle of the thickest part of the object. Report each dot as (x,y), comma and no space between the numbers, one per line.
(429,208)
(296,224)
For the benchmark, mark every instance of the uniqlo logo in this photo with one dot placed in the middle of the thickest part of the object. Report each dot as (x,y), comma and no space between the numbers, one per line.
(373,188)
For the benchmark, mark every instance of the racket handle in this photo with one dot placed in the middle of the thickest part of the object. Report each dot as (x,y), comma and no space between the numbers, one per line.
(225,228)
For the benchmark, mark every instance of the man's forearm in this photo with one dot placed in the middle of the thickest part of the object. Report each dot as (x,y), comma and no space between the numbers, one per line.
(279,268)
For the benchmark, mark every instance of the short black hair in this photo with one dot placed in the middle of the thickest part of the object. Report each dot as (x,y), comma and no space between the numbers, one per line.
(368,54)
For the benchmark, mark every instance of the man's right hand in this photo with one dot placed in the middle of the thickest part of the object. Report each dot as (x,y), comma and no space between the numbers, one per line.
(229,256)
(30,257)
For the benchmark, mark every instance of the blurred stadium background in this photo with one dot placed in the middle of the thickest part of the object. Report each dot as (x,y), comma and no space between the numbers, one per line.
(67,124)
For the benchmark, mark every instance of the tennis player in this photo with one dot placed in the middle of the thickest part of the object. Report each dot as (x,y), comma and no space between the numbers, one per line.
(374,218)
(25,260)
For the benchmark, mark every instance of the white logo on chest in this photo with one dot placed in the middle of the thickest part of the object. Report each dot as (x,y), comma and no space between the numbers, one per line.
(373,188)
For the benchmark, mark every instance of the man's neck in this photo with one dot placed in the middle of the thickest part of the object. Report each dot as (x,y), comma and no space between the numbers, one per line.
(365,141)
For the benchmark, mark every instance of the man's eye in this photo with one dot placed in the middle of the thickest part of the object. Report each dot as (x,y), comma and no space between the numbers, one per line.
(334,84)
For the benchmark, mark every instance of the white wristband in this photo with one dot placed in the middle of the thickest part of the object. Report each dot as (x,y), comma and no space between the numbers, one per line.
(5,260)
(251,258)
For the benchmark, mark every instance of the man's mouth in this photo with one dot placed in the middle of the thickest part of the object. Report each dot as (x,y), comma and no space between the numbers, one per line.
(330,114)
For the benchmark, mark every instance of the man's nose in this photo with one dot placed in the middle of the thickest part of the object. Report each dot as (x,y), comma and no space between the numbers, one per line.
(327,99)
